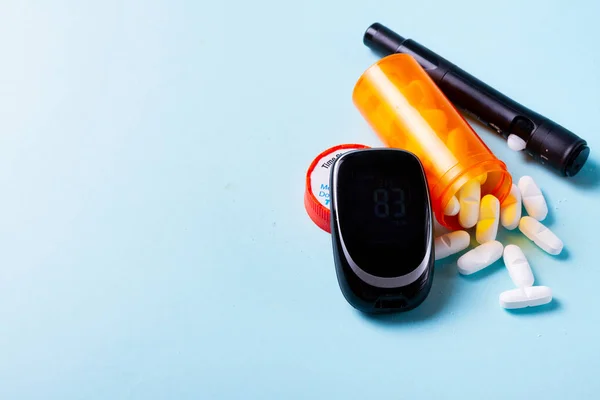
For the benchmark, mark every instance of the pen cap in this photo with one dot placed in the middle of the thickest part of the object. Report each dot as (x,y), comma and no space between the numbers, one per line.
(408,111)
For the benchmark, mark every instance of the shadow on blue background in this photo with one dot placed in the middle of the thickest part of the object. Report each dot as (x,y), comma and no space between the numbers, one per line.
(588,177)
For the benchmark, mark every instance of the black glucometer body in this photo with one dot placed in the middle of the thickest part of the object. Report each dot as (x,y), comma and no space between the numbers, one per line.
(381,229)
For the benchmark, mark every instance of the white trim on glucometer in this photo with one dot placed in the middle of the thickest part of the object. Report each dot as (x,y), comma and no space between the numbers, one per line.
(378,281)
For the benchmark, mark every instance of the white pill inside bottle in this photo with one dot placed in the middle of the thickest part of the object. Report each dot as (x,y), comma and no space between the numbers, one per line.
(489,217)
(453,207)
(469,198)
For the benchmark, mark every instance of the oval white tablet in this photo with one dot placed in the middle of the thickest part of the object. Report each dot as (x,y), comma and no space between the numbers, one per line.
(518,266)
(533,199)
(451,243)
(540,235)
(489,216)
(526,297)
(510,210)
(469,197)
(453,207)
(480,257)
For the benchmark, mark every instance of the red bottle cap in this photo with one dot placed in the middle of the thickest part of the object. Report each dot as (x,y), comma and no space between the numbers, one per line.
(317,195)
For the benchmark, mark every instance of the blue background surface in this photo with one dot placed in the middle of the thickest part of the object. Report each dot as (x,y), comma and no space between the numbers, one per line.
(153,239)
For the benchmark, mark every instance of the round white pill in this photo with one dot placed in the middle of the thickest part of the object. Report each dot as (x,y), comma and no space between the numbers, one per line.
(469,197)
(451,243)
(533,199)
(518,266)
(526,297)
(540,235)
(453,207)
(480,257)
(489,216)
(510,210)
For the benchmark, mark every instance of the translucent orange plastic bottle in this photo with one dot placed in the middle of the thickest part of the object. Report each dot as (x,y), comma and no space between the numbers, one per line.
(408,111)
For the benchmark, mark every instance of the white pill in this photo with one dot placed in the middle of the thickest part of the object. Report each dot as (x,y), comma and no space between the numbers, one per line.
(518,266)
(489,216)
(532,198)
(526,297)
(540,235)
(480,257)
(515,143)
(453,207)
(469,197)
(510,210)
(482,178)
(451,243)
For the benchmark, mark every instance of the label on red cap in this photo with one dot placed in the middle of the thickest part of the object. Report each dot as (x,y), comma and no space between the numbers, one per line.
(317,196)
(319,177)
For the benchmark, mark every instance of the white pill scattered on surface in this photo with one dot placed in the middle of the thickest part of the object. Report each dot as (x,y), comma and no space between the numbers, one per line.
(480,257)
(518,266)
(489,217)
(515,143)
(540,235)
(533,199)
(469,197)
(453,207)
(451,243)
(526,297)
(510,210)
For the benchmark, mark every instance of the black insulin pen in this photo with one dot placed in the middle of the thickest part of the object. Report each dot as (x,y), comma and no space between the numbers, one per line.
(544,140)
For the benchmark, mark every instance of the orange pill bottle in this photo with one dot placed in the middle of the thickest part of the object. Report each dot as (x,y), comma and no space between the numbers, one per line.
(408,111)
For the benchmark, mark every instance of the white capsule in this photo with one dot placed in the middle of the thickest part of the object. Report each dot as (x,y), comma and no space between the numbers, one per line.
(469,197)
(526,297)
(540,235)
(515,143)
(451,243)
(518,266)
(480,257)
(510,211)
(453,207)
(532,198)
(489,216)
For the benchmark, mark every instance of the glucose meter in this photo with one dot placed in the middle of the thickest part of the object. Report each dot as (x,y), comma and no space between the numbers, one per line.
(381,229)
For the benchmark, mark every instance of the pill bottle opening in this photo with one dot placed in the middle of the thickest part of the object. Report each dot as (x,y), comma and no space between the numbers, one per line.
(494,179)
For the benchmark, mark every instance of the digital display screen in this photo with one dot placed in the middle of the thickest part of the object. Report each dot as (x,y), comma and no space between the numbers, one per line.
(382,207)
